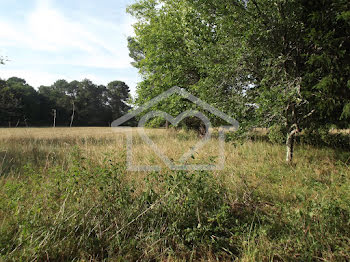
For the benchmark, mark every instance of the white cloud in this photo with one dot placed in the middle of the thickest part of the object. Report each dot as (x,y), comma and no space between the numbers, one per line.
(96,43)
(34,78)
(48,44)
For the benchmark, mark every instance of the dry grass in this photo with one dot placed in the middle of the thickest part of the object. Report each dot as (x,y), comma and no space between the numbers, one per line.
(282,207)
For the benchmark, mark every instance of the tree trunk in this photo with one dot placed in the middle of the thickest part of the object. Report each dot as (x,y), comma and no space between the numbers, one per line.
(72,117)
(290,146)
(54,117)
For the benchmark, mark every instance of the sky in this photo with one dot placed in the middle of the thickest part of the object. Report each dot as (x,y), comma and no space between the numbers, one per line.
(47,40)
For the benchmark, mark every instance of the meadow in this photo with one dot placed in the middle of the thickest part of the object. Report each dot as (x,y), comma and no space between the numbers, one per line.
(66,195)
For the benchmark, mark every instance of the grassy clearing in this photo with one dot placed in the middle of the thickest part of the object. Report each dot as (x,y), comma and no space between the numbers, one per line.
(66,195)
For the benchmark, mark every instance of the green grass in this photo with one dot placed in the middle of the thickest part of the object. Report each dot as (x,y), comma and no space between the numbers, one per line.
(66,195)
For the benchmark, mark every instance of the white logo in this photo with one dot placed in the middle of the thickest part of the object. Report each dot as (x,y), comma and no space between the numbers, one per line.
(116,126)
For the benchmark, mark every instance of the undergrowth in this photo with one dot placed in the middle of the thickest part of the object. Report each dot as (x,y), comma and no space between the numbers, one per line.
(97,214)
(66,204)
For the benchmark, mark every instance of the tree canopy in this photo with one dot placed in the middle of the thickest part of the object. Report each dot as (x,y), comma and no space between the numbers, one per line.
(278,64)
(73,103)
(266,63)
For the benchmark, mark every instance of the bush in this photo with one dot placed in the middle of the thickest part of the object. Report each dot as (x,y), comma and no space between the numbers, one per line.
(192,209)
(277,134)
(323,137)
(95,213)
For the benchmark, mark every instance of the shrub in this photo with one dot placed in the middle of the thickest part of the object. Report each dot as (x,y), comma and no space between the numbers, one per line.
(277,134)
(323,137)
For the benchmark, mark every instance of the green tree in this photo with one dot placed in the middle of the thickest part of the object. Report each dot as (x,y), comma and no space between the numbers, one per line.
(19,102)
(327,61)
(80,103)
(168,51)
(264,62)
(117,95)
(90,104)
(57,99)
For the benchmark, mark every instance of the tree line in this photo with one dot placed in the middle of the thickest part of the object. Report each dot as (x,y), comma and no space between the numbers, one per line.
(76,103)
(280,64)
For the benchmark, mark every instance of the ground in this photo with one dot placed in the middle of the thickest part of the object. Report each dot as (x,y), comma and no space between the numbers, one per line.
(66,195)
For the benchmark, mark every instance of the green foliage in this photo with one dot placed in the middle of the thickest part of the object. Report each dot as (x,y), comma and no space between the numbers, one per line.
(346,111)
(22,105)
(19,102)
(192,209)
(277,134)
(263,62)
(324,138)
(184,211)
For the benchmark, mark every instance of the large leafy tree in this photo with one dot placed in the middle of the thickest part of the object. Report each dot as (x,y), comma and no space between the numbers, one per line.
(265,62)
(76,103)
(117,96)
(92,104)
(327,73)
(85,103)
(79,103)
(299,53)
(58,99)
(19,102)
(170,49)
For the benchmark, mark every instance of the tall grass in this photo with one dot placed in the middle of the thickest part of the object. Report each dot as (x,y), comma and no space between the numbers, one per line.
(66,195)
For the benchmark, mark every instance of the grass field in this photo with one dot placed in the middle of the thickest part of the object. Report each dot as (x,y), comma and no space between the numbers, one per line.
(65,194)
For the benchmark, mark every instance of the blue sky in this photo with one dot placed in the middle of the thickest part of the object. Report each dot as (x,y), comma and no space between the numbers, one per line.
(47,40)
